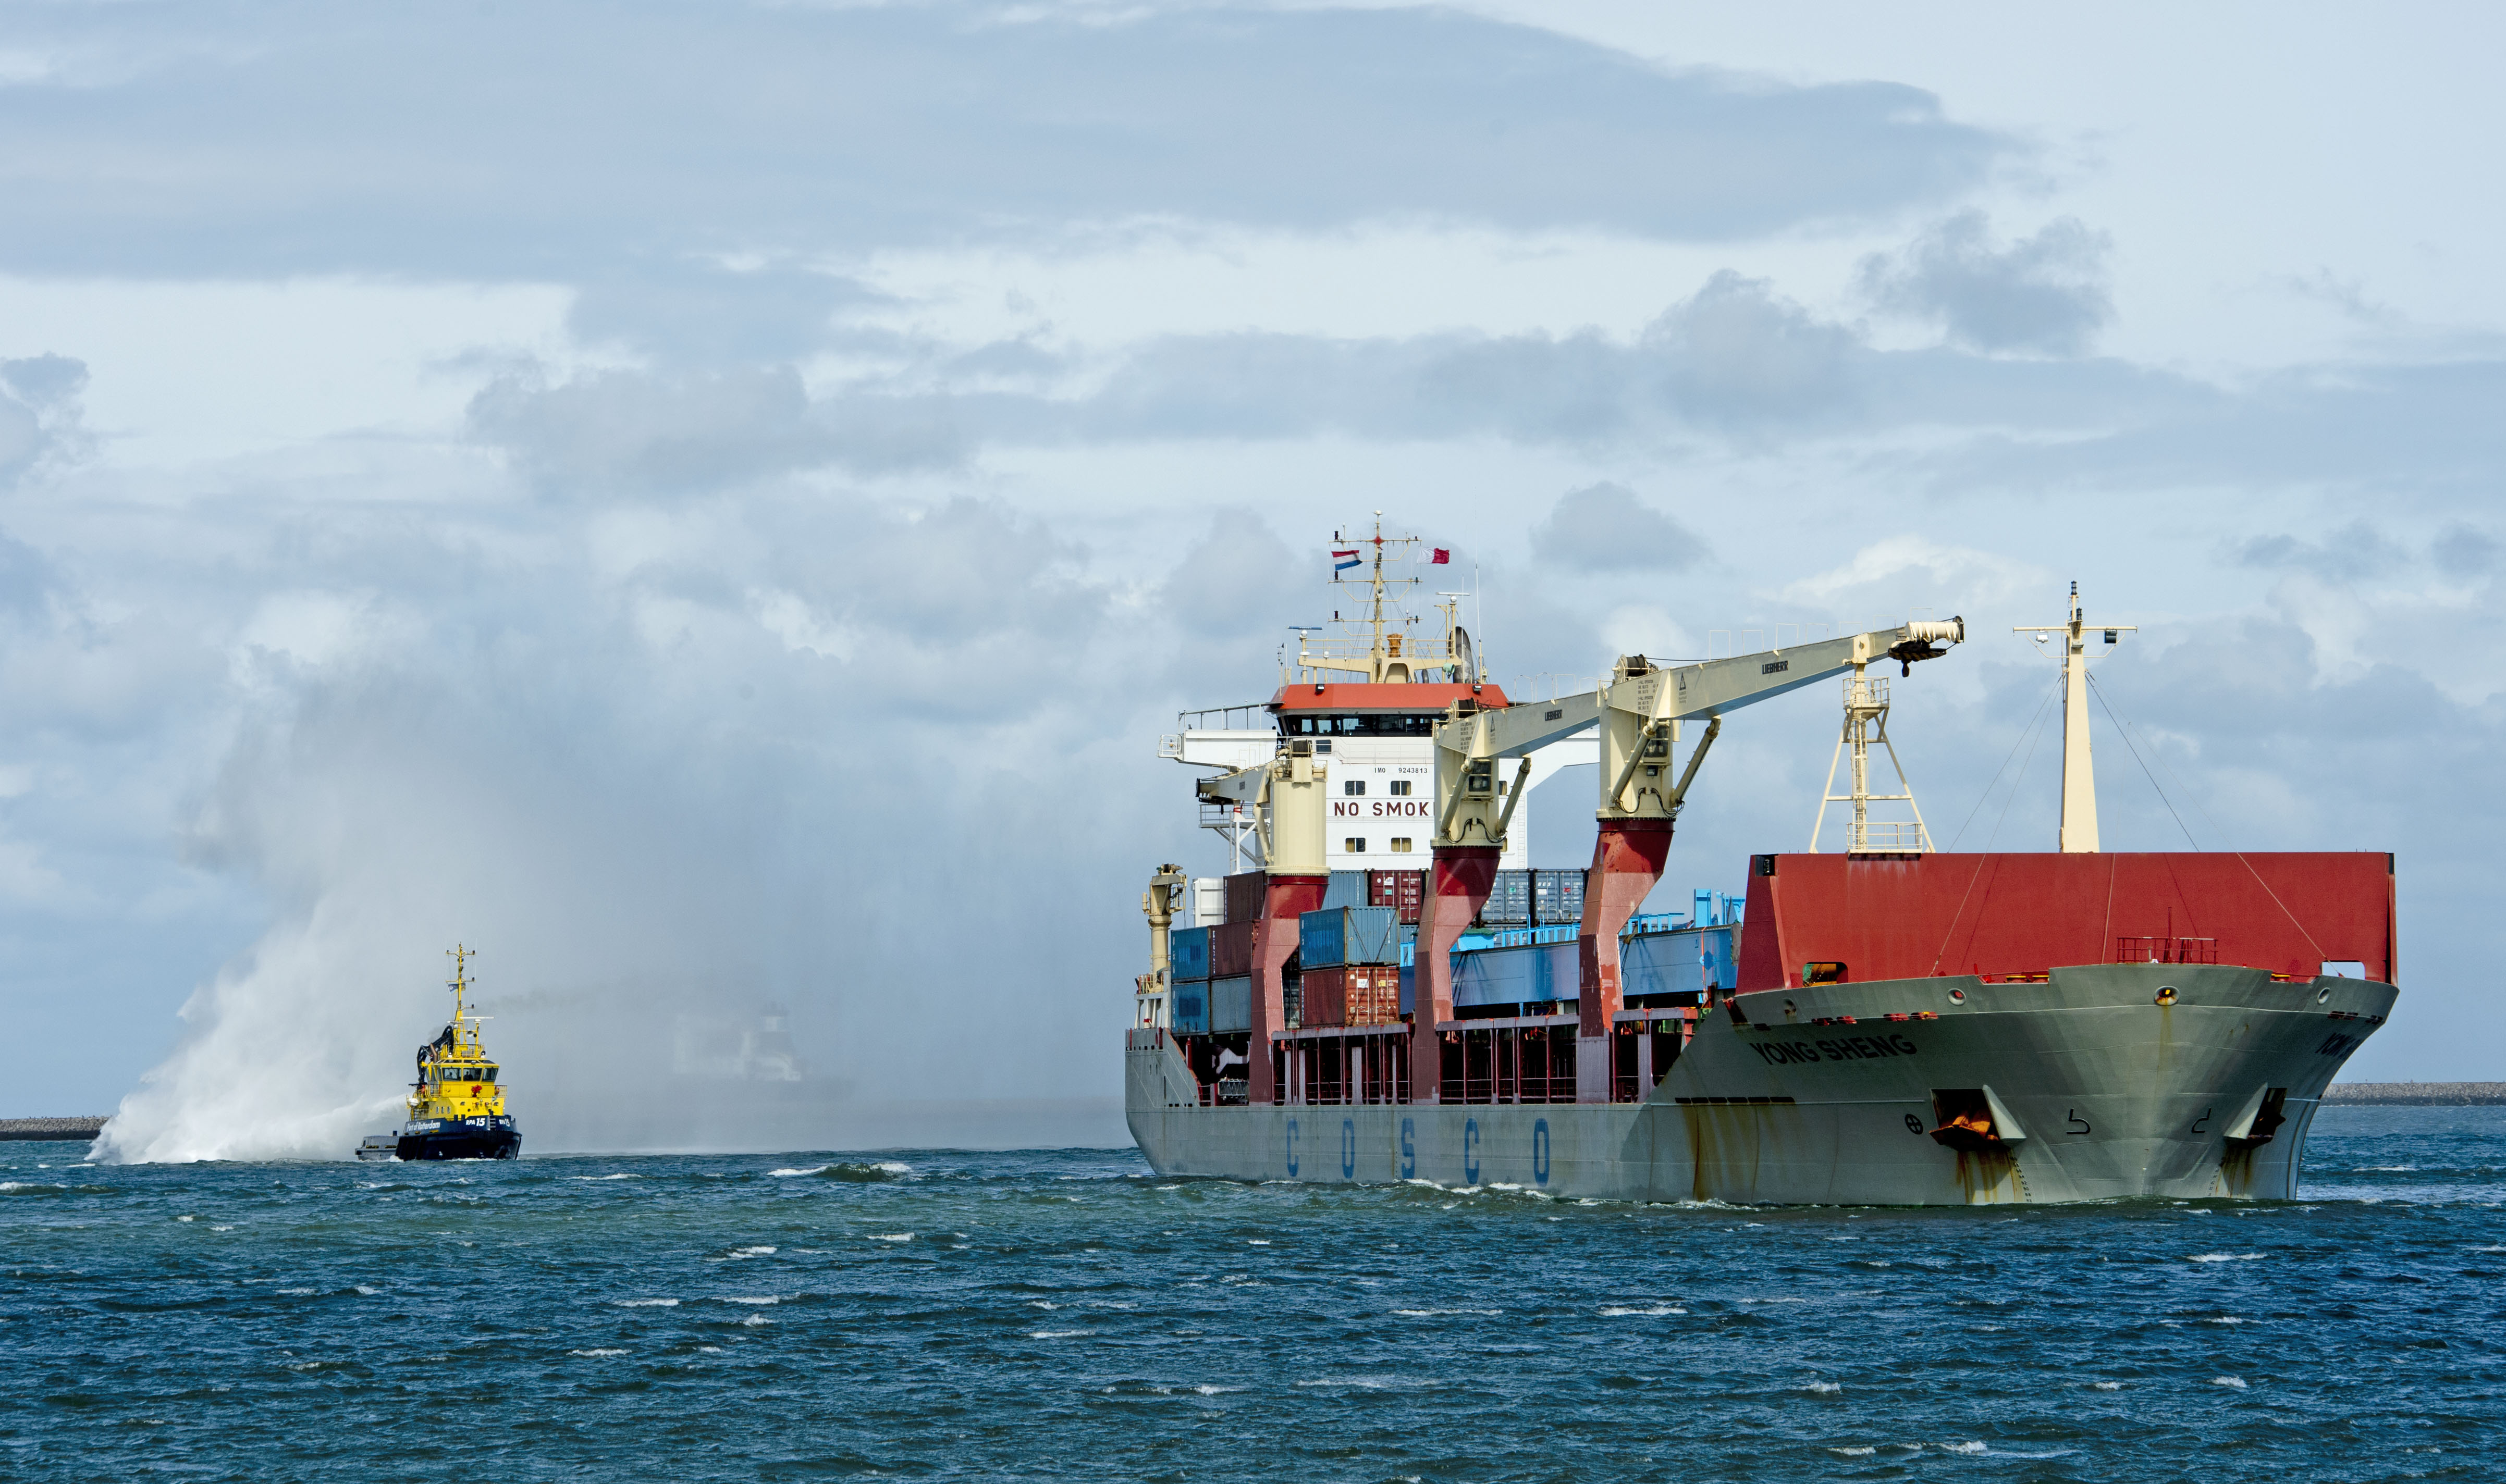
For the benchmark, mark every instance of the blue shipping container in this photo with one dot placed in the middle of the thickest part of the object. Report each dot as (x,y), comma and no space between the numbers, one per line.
(1348,936)
(1187,953)
(1188,1008)
(1527,974)
(1509,902)
(1687,962)
(1231,1004)
(1556,897)
(1409,986)
(1347,888)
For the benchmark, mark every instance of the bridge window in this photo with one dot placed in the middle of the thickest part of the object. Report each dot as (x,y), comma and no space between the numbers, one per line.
(1400,787)
(1354,844)
(1401,844)
(1412,725)
(1354,788)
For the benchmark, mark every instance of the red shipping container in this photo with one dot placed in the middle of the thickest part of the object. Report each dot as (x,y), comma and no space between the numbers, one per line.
(1231,949)
(1325,998)
(1247,894)
(1375,997)
(1353,997)
(1402,890)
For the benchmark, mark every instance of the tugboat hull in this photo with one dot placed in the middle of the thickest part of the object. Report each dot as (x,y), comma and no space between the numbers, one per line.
(494,1138)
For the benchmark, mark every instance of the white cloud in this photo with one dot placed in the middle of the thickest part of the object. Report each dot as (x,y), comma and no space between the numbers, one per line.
(1917,569)
(1640,629)
(314,627)
(790,619)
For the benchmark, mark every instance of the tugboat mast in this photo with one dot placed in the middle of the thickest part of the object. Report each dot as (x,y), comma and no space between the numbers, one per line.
(460,984)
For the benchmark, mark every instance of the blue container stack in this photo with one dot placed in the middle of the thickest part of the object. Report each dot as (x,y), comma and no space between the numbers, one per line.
(1187,981)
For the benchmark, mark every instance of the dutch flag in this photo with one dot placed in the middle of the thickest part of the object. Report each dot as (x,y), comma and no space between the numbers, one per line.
(1341,561)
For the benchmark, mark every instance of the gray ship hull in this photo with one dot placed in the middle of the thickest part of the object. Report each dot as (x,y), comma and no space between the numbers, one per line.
(2098,1092)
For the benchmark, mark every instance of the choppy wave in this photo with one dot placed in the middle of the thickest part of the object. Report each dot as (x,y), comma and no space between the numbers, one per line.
(986,1306)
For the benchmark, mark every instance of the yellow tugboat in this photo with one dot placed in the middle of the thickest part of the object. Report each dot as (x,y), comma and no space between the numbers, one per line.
(456,1109)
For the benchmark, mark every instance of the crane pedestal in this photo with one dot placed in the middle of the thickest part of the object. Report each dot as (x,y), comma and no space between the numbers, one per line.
(1458,884)
(1627,859)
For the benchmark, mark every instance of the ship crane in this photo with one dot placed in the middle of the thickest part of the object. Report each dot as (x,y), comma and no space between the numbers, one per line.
(1638,711)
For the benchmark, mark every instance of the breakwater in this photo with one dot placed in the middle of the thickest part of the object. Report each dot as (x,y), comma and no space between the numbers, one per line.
(2415,1094)
(51,1128)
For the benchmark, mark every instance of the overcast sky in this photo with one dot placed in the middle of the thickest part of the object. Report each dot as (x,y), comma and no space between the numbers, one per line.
(716,503)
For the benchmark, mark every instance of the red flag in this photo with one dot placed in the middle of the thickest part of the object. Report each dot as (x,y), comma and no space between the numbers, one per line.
(1441,557)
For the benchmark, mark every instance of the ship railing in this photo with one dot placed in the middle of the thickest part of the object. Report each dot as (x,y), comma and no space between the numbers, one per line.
(1252,716)
(2152,949)
(1887,838)
(1335,1095)
(1411,649)
(1510,1090)
(1524,937)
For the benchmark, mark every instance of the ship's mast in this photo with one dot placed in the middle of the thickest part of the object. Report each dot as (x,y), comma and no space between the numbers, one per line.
(1389,657)
(1376,611)
(2079,776)
(460,984)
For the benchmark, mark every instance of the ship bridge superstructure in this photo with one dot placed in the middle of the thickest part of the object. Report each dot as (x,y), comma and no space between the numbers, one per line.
(1362,698)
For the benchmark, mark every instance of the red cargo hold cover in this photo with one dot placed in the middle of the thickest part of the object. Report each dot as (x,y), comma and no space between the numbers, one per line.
(1909,917)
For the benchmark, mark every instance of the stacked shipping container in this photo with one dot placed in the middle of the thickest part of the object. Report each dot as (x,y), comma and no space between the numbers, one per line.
(1350,968)
(1534,898)
(1351,958)
(1405,892)
(1209,974)
(1357,995)
(1340,935)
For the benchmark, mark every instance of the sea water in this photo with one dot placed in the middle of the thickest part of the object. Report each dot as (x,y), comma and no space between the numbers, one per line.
(930,1315)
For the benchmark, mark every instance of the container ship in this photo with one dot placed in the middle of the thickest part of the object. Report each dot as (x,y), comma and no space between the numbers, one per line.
(1379,988)
(456,1106)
